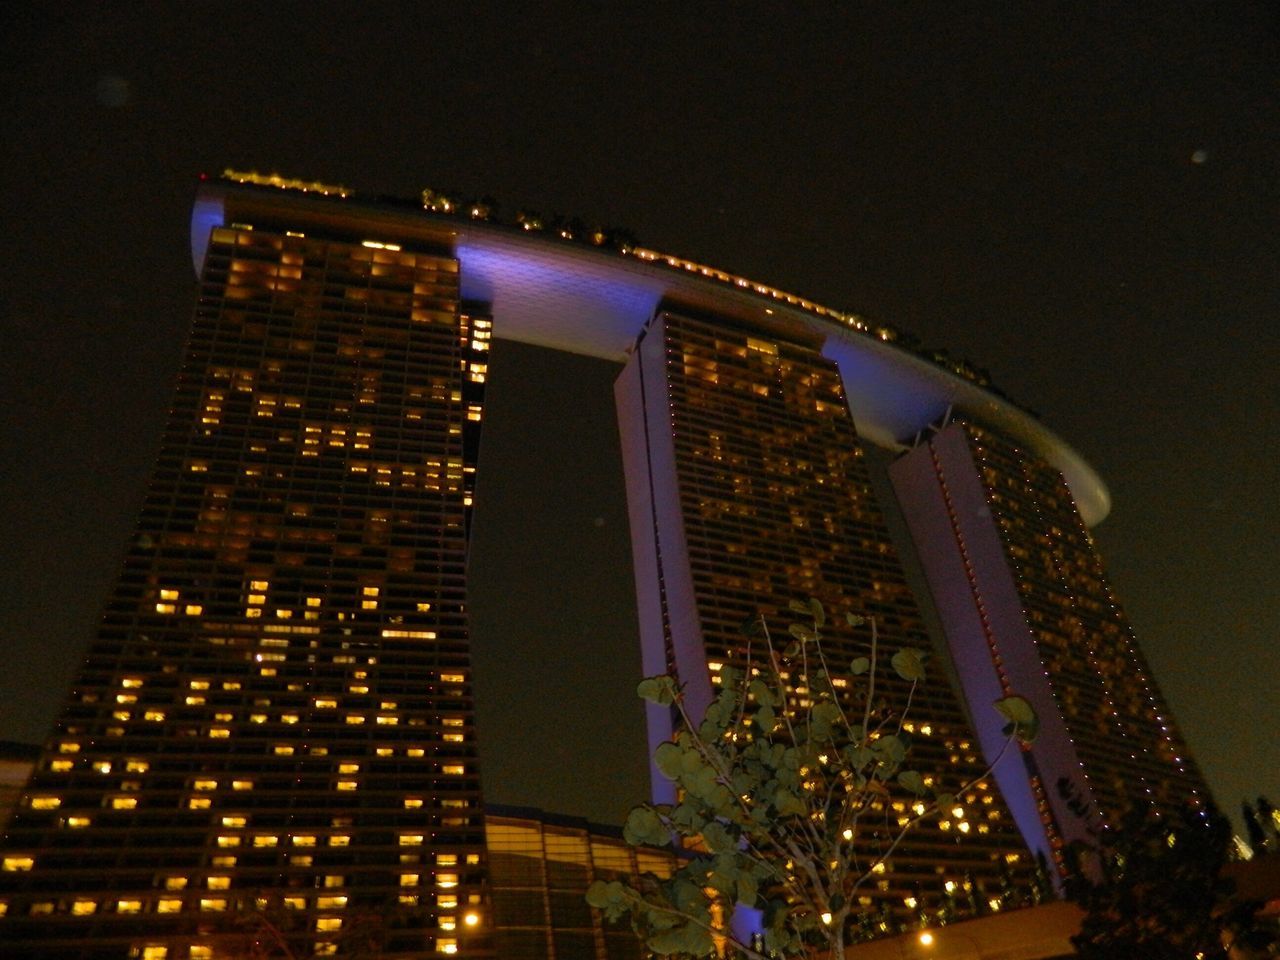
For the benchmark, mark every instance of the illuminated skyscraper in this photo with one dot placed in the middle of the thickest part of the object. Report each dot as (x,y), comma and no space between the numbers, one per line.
(276,715)
(275,722)
(1026,606)
(747,490)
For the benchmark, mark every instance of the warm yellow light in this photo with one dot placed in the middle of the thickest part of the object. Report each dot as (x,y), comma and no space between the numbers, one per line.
(826,919)
(471,919)
(926,938)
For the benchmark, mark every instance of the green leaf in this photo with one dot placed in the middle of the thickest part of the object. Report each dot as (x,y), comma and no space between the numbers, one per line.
(799,606)
(815,609)
(688,939)
(909,663)
(890,749)
(857,756)
(660,690)
(859,666)
(788,804)
(718,839)
(766,719)
(853,620)
(667,759)
(644,829)
(913,782)
(1022,715)
(599,894)
(802,633)
(823,716)
(761,693)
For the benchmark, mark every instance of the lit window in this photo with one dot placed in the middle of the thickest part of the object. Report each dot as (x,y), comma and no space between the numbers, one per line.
(175,883)
(61,766)
(326,924)
(154,953)
(339,840)
(168,905)
(265,840)
(241,784)
(219,883)
(124,803)
(326,704)
(82,907)
(303,840)
(227,841)
(410,839)
(409,879)
(331,903)
(454,769)
(76,823)
(348,785)
(447,946)
(447,881)
(355,719)
(45,803)
(68,747)
(154,715)
(128,906)
(213,904)
(234,821)
(201,953)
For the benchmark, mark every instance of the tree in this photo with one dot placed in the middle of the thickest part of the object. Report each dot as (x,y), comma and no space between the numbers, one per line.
(1151,889)
(784,783)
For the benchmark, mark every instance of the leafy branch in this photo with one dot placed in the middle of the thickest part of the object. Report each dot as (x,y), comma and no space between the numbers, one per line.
(778,783)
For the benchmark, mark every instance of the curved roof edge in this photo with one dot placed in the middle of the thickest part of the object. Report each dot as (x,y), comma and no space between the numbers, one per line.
(588,300)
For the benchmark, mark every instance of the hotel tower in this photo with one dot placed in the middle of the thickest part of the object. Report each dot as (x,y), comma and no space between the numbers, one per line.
(270,743)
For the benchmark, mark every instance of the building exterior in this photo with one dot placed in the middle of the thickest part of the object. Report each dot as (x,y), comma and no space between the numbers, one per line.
(1026,606)
(540,866)
(747,490)
(16,763)
(271,737)
(276,713)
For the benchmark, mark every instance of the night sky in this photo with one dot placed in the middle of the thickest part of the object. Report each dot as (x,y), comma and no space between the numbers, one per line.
(1081,198)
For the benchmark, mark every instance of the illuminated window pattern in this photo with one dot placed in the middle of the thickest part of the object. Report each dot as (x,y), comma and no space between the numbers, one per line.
(266,701)
(751,443)
(1124,739)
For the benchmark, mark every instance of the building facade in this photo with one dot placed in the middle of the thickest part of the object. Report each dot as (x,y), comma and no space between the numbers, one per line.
(271,744)
(540,866)
(275,718)
(747,489)
(1026,606)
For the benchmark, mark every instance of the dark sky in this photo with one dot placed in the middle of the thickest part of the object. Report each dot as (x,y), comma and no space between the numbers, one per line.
(1081,197)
